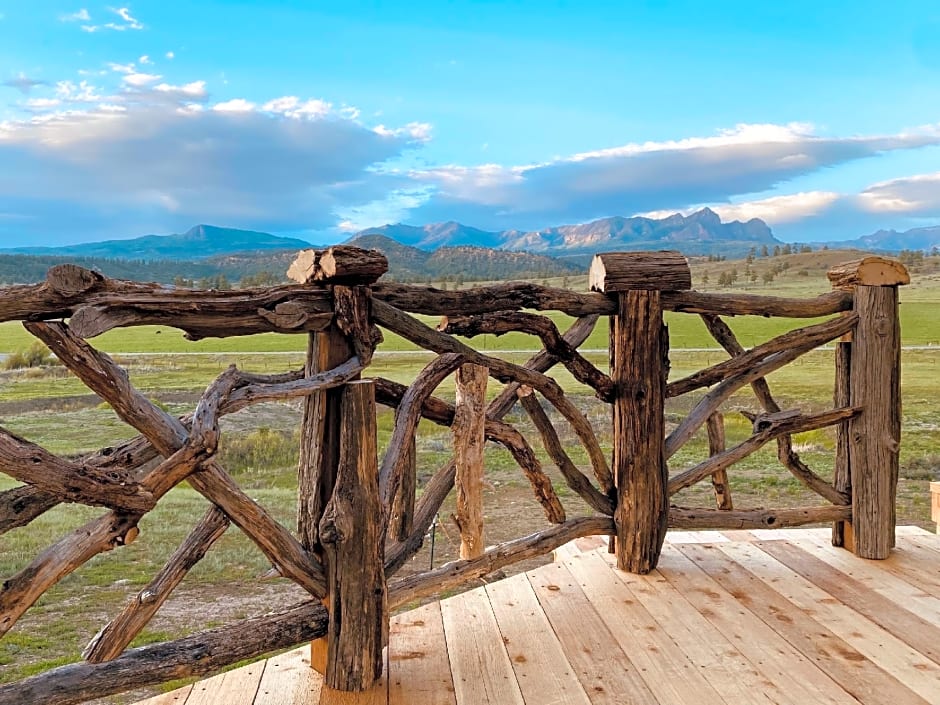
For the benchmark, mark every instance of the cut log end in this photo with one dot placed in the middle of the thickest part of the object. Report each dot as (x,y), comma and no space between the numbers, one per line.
(869,271)
(71,280)
(667,270)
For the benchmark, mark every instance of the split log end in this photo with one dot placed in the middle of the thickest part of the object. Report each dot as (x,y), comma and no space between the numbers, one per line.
(667,270)
(868,271)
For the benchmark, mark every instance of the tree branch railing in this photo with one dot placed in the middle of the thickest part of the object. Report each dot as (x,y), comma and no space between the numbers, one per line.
(360,519)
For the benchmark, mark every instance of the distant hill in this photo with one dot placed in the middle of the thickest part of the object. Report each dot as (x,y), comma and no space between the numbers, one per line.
(199,242)
(893,241)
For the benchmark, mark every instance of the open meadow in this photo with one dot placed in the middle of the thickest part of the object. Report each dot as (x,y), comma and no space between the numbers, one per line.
(49,406)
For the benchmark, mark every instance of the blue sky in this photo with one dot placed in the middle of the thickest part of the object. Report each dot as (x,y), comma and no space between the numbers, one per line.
(318,119)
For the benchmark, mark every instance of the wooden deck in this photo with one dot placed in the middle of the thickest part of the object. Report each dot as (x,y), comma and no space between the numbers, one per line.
(736,618)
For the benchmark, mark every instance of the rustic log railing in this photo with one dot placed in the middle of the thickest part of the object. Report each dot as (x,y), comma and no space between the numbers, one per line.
(360,520)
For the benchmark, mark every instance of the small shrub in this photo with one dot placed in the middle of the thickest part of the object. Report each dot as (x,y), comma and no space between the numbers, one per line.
(37,355)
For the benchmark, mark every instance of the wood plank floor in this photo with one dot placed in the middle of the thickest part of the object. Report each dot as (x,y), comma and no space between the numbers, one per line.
(729,618)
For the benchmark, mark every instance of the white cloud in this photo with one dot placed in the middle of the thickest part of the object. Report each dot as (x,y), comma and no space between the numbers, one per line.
(294,107)
(121,68)
(236,105)
(23,84)
(912,195)
(170,55)
(83,92)
(144,60)
(128,21)
(139,80)
(774,210)
(79,16)
(195,90)
(42,103)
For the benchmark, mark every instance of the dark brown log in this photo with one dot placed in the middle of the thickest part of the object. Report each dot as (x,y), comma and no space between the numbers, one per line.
(440,412)
(443,480)
(667,270)
(638,351)
(430,339)
(785,453)
(689,519)
(70,482)
(716,446)
(842,396)
(740,361)
(61,558)
(469,439)
(346,263)
(168,435)
(753,305)
(711,401)
(532,324)
(352,318)
(119,632)
(21,505)
(455,573)
(69,280)
(197,655)
(575,479)
(352,532)
(875,435)
(765,430)
(402,521)
(869,271)
(319,436)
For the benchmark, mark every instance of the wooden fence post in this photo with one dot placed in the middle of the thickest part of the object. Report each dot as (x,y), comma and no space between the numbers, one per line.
(639,365)
(469,440)
(352,532)
(874,436)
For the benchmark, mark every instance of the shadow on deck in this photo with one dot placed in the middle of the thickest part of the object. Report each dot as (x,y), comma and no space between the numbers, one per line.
(728,618)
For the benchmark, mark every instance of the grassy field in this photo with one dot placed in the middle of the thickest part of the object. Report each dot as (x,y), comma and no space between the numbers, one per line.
(259,447)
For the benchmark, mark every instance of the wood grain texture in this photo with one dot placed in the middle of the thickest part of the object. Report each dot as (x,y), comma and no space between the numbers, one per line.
(666,270)
(469,440)
(418,668)
(715,425)
(871,270)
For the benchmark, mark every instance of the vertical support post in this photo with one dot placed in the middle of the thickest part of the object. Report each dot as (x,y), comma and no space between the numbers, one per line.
(638,368)
(469,440)
(874,436)
(352,533)
(716,444)
(842,479)
(935,503)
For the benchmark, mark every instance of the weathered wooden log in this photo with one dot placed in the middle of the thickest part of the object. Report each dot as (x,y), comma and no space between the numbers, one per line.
(841,478)
(458,572)
(871,270)
(343,264)
(689,519)
(351,304)
(168,435)
(68,280)
(575,479)
(197,655)
(666,270)
(440,412)
(352,532)
(20,505)
(714,398)
(19,592)
(766,429)
(639,352)
(514,321)
(744,360)
(785,453)
(402,520)
(755,305)
(875,435)
(430,339)
(716,445)
(71,482)
(111,641)
(469,440)
(443,480)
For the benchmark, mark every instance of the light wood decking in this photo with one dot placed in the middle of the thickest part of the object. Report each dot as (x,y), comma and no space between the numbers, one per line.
(735,618)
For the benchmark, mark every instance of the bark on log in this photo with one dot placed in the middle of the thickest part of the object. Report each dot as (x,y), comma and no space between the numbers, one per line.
(20,505)
(711,401)
(745,359)
(766,431)
(430,339)
(469,440)
(352,318)
(343,264)
(639,352)
(197,655)
(532,324)
(842,396)
(575,479)
(689,519)
(874,436)
(716,446)
(70,482)
(667,270)
(868,271)
(352,532)
(111,641)
(402,521)
(443,480)
(455,573)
